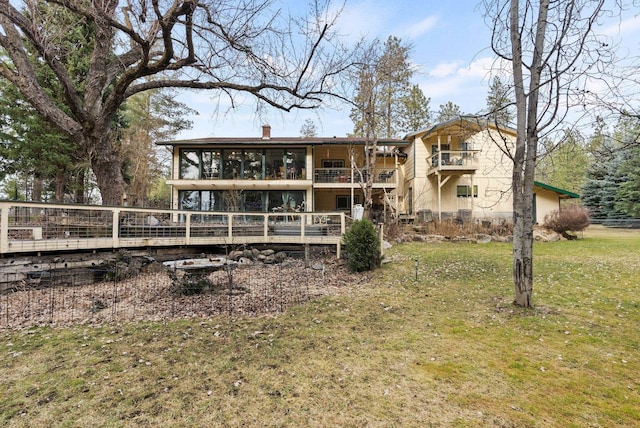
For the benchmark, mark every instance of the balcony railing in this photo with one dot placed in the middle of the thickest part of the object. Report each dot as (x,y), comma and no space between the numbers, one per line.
(34,227)
(453,160)
(344,175)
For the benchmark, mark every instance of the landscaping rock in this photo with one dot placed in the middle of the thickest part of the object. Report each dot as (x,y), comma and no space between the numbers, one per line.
(482,238)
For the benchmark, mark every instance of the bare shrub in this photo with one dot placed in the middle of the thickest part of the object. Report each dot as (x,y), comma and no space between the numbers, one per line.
(572,218)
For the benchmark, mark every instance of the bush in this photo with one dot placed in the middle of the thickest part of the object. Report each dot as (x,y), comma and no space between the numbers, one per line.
(573,218)
(362,246)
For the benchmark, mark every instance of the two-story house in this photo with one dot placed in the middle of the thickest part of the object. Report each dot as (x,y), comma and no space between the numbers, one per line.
(457,169)
(461,169)
(288,174)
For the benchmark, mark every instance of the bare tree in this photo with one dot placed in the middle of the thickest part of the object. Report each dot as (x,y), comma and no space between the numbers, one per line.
(224,45)
(552,49)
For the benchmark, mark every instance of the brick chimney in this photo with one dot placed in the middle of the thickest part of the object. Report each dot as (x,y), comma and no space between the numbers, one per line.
(266,132)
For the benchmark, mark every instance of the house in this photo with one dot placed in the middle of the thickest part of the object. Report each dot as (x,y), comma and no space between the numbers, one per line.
(288,174)
(457,169)
(461,169)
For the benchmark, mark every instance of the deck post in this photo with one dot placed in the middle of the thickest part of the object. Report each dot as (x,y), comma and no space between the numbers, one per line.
(187,229)
(115,232)
(4,229)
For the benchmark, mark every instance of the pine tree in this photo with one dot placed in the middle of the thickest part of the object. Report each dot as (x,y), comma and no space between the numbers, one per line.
(382,87)
(447,112)
(415,114)
(499,103)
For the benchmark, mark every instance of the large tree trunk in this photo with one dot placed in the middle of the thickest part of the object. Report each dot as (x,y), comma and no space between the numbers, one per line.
(106,163)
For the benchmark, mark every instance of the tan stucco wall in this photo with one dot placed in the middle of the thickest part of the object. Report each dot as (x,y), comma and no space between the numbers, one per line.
(493,176)
(546,201)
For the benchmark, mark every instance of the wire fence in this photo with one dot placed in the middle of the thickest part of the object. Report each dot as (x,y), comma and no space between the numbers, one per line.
(159,294)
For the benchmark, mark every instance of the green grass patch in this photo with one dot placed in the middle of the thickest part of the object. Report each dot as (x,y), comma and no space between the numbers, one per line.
(447,349)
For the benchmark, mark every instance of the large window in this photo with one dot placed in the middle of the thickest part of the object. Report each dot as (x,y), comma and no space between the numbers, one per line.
(190,164)
(210,164)
(253,164)
(246,201)
(232,164)
(199,164)
(200,200)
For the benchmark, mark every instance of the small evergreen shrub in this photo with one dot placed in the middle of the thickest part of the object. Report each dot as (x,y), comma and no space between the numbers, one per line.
(572,218)
(362,246)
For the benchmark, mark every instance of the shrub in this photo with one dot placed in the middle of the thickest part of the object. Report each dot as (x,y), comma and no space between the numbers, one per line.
(362,246)
(573,218)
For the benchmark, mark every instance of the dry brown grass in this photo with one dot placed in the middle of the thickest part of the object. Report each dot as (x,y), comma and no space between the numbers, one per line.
(447,349)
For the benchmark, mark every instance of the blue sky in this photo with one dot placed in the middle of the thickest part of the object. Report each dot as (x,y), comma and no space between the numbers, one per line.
(451,54)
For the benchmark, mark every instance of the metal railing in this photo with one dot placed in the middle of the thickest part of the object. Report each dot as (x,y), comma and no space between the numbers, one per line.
(37,227)
(346,175)
(452,159)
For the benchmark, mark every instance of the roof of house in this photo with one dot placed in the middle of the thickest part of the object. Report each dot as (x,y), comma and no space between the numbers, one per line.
(476,121)
(280,141)
(564,194)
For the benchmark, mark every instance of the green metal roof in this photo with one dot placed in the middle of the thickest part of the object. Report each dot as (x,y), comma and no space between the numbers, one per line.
(561,192)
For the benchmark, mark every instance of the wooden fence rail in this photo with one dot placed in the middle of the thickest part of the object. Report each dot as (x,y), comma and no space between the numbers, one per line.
(27,227)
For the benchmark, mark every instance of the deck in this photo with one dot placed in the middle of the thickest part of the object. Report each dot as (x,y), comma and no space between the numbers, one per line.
(36,227)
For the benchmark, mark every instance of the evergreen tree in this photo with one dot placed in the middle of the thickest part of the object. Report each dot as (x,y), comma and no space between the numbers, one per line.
(382,87)
(447,112)
(308,129)
(415,114)
(564,164)
(147,117)
(628,194)
(499,103)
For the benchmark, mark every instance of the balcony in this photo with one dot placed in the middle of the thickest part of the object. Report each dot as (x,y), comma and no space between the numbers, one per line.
(453,162)
(346,177)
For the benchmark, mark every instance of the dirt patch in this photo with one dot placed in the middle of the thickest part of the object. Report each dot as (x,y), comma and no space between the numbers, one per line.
(253,289)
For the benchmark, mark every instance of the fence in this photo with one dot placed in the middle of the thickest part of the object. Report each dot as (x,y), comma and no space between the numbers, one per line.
(152,295)
(27,227)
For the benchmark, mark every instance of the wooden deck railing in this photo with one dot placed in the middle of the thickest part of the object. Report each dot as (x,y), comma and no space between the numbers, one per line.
(36,227)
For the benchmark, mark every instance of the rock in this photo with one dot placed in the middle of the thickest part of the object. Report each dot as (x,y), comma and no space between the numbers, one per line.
(463,239)
(541,234)
(235,255)
(317,266)
(269,260)
(280,256)
(386,245)
(245,261)
(247,253)
(482,238)
(267,252)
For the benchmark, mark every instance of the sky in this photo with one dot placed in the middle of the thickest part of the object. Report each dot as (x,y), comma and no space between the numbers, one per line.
(450,51)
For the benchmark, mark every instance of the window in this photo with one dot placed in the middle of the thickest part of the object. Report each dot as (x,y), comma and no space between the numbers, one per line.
(466,148)
(210,164)
(231,164)
(333,163)
(197,164)
(253,161)
(464,191)
(189,164)
(343,202)
(446,153)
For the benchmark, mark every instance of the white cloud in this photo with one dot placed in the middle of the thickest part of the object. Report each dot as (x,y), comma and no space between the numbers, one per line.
(419,28)
(444,69)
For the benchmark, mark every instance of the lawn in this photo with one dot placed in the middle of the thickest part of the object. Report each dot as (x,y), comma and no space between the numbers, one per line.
(445,349)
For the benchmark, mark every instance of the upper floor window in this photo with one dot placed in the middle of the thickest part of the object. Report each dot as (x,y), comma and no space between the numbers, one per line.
(196,164)
(231,164)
